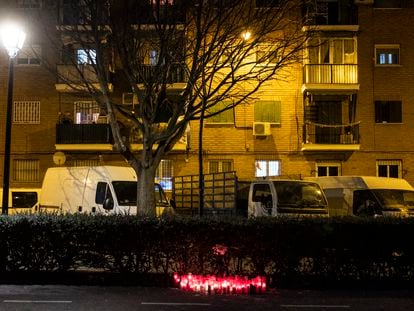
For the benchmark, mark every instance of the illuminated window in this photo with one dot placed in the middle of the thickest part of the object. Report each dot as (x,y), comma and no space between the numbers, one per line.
(164,174)
(86,56)
(86,112)
(387,55)
(388,111)
(389,168)
(26,112)
(332,51)
(29,55)
(267,168)
(162,2)
(26,170)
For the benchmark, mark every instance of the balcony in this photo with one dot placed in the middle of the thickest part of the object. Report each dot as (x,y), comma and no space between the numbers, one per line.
(177,76)
(323,137)
(342,12)
(330,76)
(83,137)
(71,78)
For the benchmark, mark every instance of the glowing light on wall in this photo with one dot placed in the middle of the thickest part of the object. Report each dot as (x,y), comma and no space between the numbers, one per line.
(211,284)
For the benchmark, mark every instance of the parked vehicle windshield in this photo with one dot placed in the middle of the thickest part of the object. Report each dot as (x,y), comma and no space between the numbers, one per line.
(126,193)
(301,194)
(392,199)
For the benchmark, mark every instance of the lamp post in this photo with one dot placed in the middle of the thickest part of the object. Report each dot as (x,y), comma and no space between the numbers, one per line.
(13,38)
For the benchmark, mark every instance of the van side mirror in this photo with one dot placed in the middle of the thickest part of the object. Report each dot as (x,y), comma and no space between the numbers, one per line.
(108,204)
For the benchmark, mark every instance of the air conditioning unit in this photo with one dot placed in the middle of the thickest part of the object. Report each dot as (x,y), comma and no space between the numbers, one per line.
(261,129)
(129,99)
(364,1)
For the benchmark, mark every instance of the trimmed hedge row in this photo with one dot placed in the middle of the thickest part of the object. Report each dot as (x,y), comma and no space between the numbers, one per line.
(284,249)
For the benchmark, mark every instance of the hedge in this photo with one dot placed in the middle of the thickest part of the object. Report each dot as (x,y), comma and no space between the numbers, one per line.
(286,250)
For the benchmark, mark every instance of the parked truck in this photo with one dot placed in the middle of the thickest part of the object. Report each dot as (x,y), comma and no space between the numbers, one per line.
(94,189)
(22,200)
(225,194)
(367,195)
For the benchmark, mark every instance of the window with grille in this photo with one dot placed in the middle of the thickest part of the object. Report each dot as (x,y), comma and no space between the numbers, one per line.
(226,116)
(267,111)
(164,174)
(26,170)
(86,112)
(26,112)
(219,166)
(388,111)
(387,55)
(267,168)
(29,55)
(328,169)
(389,168)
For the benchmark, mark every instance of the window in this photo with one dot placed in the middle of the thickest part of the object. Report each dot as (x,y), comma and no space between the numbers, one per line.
(29,4)
(226,116)
(328,169)
(26,170)
(86,112)
(387,55)
(266,168)
(26,112)
(267,111)
(332,51)
(29,55)
(164,174)
(388,4)
(388,111)
(162,2)
(86,56)
(220,166)
(389,168)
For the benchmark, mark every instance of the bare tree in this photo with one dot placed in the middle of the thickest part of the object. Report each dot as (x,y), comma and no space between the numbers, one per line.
(224,51)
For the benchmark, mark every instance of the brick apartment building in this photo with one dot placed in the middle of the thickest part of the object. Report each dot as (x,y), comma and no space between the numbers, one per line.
(346,109)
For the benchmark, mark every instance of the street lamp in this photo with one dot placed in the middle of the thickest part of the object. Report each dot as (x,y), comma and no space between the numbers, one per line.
(13,38)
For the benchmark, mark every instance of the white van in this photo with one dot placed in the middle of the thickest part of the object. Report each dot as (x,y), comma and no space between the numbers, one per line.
(94,189)
(22,200)
(367,195)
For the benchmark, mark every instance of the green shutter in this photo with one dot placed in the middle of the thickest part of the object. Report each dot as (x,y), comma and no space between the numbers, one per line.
(223,117)
(267,111)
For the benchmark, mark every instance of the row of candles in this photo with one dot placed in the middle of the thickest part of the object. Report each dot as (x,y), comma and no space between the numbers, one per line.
(210,284)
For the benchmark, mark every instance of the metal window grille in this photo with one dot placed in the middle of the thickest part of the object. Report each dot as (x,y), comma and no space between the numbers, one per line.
(26,170)
(86,112)
(26,112)
(219,166)
(164,174)
(389,168)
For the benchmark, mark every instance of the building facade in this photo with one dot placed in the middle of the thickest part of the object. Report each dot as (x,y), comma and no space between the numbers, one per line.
(344,110)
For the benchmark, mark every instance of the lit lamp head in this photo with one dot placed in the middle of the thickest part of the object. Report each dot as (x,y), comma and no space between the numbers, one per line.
(13,38)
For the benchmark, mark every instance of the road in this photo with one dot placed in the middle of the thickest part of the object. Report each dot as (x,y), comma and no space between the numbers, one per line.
(80,298)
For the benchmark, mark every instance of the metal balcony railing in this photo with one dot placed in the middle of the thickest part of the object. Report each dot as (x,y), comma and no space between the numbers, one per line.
(330,73)
(176,74)
(83,134)
(345,134)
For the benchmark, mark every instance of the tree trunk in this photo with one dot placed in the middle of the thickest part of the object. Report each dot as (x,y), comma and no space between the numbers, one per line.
(146,197)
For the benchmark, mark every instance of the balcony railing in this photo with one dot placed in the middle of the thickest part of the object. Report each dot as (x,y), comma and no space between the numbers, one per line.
(344,134)
(330,73)
(176,74)
(76,74)
(83,134)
